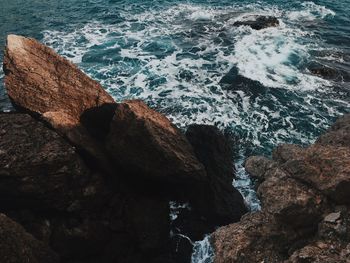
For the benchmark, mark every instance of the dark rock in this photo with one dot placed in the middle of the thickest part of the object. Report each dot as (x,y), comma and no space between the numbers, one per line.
(38,168)
(216,198)
(258,22)
(17,246)
(146,144)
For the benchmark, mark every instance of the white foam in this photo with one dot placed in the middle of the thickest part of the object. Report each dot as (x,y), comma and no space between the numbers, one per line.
(202,251)
(310,12)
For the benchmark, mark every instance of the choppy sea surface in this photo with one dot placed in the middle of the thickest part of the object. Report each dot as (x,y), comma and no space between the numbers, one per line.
(174,54)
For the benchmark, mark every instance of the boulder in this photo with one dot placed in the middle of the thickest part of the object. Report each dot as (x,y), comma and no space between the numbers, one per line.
(38,168)
(43,83)
(215,198)
(146,144)
(258,22)
(325,168)
(17,246)
(256,238)
(258,167)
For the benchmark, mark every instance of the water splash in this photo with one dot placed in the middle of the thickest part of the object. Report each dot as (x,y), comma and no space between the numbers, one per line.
(202,251)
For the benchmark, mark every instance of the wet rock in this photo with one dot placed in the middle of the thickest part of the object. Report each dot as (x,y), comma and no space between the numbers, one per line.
(338,134)
(45,84)
(146,144)
(16,245)
(38,168)
(258,22)
(216,198)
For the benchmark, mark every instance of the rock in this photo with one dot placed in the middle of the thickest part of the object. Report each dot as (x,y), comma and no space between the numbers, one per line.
(17,246)
(325,168)
(291,202)
(216,198)
(338,134)
(43,83)
(257,167)
(285,152)
(256,238)
(258,22)
(38,168)
(332,217)
(147,145)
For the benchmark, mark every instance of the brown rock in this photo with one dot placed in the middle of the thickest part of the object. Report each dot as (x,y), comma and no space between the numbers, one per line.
(256,238)
(146,144)
(257,167)
(42,82)
(17,246)
(38,168)
(327,169)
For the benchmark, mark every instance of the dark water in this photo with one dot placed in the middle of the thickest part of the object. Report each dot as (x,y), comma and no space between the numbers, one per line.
(173,55)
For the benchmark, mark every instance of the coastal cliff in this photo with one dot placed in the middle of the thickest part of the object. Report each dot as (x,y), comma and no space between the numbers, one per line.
(86,179)
(91,180)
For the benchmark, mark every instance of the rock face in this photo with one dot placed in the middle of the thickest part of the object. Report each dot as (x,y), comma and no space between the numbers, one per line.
(216,198)
(146,143)
(38,168)
(305,195)
(42,82)
(258,22)
(16,245)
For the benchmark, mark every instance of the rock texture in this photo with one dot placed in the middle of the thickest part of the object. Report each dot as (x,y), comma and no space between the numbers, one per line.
(258,22)
(92,179)
(38,168)
(17,246)
(146,143)
(305,205)
(41,82)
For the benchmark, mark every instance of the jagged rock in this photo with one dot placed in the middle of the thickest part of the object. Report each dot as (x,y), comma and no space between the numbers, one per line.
(256,238)
(40,81)
(146,144)
(290,202)
(325,168)
(257,167)
(305,189)
(215,198)
(258,22)
(17,246)
(38,168)
(338,134)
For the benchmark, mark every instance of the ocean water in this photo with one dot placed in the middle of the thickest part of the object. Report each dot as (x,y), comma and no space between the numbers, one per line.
(174,54)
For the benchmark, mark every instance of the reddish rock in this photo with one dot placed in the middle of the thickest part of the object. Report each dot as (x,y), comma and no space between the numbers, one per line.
(17,246)
(40,81)
(256,238)
(146,144)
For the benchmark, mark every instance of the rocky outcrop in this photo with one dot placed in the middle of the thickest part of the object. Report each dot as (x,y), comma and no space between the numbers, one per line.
(92,179)
(258,22)
(18,246)
(43,83)
(146,143)
(305,196)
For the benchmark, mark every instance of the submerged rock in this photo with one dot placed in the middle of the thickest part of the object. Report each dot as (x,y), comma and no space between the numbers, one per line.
(17,246)
(258,22)
(146,144)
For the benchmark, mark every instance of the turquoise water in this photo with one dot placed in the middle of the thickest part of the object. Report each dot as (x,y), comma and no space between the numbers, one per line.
(173,54)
